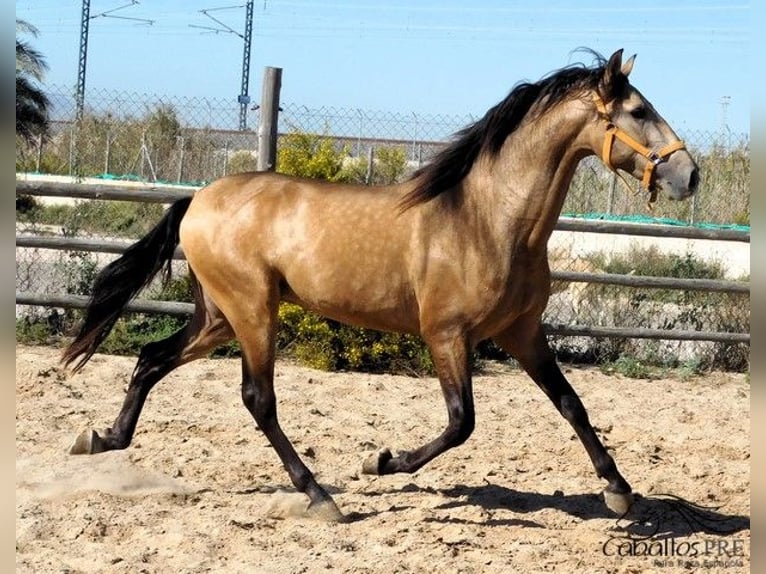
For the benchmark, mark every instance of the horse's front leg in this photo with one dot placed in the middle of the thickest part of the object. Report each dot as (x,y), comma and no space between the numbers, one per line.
(529,346)
(450,356)
(259,398)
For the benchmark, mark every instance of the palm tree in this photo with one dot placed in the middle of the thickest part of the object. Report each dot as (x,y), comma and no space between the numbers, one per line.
(31,103)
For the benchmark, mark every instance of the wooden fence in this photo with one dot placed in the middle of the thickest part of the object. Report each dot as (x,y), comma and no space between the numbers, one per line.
(166,195)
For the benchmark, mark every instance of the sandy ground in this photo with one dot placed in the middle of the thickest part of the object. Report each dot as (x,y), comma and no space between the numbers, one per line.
(200,490)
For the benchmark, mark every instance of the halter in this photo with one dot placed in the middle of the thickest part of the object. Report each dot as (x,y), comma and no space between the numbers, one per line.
(654,158)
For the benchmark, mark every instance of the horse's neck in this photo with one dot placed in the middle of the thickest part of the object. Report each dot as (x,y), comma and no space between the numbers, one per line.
(527,183)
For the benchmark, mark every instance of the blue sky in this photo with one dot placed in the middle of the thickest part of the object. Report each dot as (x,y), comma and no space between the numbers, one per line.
(439,57)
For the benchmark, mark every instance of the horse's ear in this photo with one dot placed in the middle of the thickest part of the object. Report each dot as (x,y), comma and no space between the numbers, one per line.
(627,67)
(613,79)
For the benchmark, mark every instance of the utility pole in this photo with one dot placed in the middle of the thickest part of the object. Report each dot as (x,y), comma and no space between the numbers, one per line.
(725,132)
(725,101)
(243,98)
(82,61)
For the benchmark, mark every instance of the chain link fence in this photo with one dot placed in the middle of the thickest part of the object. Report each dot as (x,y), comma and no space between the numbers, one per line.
(192,141)
(195,140)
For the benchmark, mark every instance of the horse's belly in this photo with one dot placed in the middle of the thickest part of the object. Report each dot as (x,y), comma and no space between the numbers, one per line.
(373,300)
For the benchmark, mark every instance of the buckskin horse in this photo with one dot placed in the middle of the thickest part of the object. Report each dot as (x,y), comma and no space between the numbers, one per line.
(456,254)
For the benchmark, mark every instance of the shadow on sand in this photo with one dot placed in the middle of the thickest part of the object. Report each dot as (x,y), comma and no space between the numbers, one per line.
(655,516)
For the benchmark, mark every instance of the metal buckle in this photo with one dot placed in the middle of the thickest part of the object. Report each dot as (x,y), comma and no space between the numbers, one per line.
(655,158)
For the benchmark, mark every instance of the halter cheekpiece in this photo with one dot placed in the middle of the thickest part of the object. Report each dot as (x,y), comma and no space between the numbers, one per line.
(654,158)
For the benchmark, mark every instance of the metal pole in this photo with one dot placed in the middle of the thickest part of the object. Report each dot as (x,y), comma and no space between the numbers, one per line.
(85,19)
(269,119)
(83,59)
(610,200)
(107,152)
(79,97)
(142,152)
(39,161)
(360,113)
(180,141)
(72,153)
(244,97)
(693,210)
(415,138)
(370,165)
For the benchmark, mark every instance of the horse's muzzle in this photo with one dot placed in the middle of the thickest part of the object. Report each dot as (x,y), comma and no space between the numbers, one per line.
(694,180)
(679,177)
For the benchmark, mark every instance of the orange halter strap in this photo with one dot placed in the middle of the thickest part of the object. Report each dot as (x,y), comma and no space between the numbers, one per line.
(654,158)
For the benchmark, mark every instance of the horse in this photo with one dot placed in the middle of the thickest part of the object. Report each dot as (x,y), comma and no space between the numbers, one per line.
(456,254)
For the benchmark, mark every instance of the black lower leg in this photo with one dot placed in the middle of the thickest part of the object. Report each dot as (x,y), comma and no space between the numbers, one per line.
(155,361)
(450,356)
(459,427)
(550,378)
(258,396)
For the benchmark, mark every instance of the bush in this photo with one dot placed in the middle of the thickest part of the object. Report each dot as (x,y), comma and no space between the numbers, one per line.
(27,207)
(651,308)
(389,166)
(177,289)
(241,161)
(38,330)
(310,155)
(651,261)
(135,330)
(630,367)
(325,344)
(95,217)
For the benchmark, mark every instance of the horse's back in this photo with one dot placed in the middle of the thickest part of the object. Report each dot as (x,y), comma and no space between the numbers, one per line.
(342,250)
(279,214)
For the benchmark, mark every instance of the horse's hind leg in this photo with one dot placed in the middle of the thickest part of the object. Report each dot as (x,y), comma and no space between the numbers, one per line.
(207,329)
(531,349)
(450,354)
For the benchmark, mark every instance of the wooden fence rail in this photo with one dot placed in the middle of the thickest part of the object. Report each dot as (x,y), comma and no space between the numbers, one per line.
(713,285)
(178,308)
(164,194)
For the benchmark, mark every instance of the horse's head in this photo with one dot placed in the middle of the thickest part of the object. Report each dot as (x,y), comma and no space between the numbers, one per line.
(630,135)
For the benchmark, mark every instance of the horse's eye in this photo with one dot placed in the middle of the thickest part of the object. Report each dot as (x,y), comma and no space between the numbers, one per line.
(639,113)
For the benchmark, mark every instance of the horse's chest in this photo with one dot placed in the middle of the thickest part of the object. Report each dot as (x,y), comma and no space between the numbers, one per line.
(504,297)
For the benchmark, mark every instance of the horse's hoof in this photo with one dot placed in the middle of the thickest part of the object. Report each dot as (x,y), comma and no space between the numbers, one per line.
(619,503)
(377,462)
(88,442)
(326,511)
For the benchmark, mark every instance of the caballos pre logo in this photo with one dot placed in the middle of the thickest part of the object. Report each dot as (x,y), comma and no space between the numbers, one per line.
(671,547)
(668,534)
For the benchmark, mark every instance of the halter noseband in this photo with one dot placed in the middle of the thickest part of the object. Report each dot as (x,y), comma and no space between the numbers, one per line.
(654,158)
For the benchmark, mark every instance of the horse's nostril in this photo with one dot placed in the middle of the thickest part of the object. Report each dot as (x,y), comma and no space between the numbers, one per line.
(694,180)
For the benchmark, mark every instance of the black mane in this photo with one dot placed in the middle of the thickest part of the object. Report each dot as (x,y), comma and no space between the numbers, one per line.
(452,164)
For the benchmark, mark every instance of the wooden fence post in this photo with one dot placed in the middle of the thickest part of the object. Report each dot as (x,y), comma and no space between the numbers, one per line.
(269,119)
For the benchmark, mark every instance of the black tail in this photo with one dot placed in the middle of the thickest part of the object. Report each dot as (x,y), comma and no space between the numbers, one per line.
(122,279)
